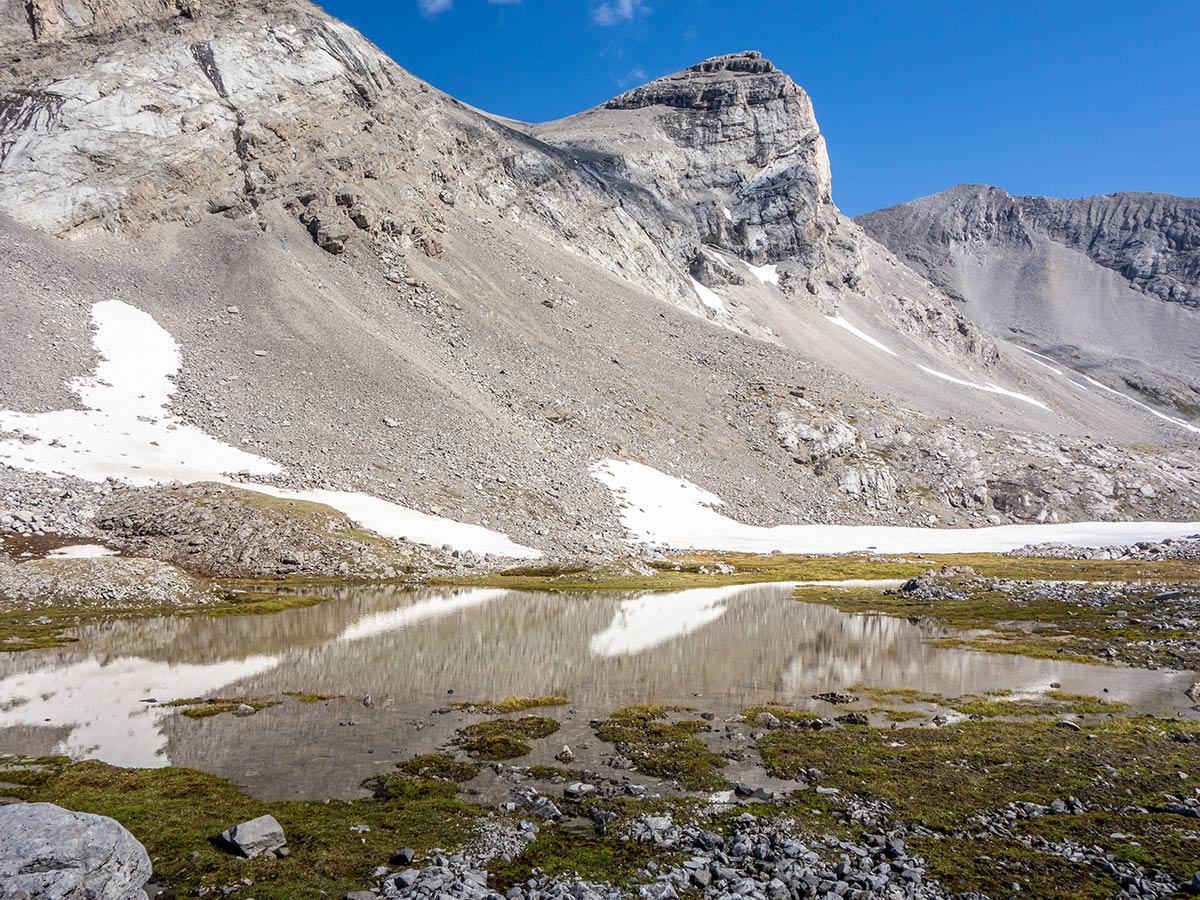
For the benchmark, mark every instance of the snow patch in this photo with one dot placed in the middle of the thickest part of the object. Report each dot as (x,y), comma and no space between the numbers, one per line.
(127,432)
(81,551)
(710,298)
(768,274)
(666,511)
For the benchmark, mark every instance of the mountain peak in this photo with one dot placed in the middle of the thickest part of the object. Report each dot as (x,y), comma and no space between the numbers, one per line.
(735,79)
(748,61)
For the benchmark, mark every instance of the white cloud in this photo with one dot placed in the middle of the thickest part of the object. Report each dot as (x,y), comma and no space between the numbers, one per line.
(434,7)
(611,12)
(636,75)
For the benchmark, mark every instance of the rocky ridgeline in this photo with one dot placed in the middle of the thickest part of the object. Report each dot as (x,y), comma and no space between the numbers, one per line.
(1152,240)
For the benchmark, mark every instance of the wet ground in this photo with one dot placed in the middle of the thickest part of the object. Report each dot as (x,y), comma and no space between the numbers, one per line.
(393,660)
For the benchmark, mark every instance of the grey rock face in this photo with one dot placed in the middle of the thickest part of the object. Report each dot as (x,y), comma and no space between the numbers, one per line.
(1151,240)
(257,837)
(54,854)
(1080,280)
(745,163)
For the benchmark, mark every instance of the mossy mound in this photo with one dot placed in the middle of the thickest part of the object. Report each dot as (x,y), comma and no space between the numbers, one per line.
(663,748)
(504,738)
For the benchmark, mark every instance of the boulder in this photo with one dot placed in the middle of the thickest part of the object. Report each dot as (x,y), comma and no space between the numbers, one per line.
(55,854)
(257,837)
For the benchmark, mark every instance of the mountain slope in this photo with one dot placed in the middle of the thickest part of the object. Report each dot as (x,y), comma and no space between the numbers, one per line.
(378,290)
(1112,282)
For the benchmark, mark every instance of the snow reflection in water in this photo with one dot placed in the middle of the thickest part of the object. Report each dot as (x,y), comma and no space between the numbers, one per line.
(719,648)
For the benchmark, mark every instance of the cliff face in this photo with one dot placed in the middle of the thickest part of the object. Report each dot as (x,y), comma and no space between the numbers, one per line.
(1150,240)
(727,153)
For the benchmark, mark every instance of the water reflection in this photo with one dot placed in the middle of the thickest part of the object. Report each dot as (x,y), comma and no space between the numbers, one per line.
(643,623)
(105,704)
(720,648)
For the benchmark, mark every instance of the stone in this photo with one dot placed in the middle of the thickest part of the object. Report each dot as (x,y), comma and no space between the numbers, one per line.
(50,853)
(256,837)
(1193,693)
(403,857)
(565,755)
(835,697)
(577,790)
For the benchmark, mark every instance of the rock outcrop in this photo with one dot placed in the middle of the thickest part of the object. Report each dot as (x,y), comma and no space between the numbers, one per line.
(102,582)
(54,854)
(213,529)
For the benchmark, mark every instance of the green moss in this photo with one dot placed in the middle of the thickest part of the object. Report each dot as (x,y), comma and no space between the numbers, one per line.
(206,707)
(438,765)
(782,713)
(663,748)
(177,812)
(1048,704)
(1008,870)
(940,777)
(504,738)
(258,603)
(511,704)
(546,773)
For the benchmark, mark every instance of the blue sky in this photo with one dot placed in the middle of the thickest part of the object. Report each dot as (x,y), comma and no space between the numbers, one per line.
(1061,98)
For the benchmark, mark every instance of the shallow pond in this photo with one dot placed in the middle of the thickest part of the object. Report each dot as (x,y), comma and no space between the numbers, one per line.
(415,651)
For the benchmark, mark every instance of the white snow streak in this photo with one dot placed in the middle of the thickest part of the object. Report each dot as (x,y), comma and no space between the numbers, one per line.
(1150,409)
(127,432)
(987,386)
(861,335)
(665,511)
(1043,361)
(1179,423)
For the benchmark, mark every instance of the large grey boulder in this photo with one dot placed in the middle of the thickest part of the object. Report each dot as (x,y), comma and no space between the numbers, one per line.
(256,838)
(50,853)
